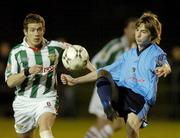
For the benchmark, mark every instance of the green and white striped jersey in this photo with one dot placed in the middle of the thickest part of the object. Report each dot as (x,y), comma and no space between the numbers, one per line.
(111,52)
(39,85)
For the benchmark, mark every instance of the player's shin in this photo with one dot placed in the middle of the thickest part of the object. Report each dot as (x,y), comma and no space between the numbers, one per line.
(104,91)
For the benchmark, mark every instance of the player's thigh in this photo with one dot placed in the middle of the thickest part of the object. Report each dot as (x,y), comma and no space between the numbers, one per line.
(24,115)
(46,120)
(46,113)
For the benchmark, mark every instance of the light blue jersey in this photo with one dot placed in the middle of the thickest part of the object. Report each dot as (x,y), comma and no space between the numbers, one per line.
(136,70)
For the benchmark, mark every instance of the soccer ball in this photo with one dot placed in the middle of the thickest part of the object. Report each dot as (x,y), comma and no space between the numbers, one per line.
(75,57)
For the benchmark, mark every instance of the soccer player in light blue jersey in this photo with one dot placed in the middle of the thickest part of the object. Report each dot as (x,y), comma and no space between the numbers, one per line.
(128,87)
(106,56)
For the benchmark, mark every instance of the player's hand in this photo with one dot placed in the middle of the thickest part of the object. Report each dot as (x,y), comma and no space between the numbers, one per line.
(163,70)
(36,69)
(67,79)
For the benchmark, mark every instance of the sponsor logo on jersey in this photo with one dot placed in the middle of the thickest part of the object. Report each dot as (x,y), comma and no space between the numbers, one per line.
(52,57)
(133,69)
(135,79)
(49,69)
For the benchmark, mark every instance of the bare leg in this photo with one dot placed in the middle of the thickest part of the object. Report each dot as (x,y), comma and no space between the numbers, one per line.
(117,124)
(28,134)
(132,126)
(46,122)
(100,122)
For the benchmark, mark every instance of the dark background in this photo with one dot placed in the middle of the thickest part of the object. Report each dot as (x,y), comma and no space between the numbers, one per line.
(90,23)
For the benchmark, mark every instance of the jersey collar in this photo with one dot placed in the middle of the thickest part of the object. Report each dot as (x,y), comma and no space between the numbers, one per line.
(145,47)
(44,43)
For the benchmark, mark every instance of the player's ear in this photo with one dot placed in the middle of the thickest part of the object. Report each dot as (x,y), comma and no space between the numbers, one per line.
(25,32)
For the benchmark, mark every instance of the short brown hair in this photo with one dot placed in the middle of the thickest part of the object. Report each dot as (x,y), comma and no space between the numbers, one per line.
(152,23)
(33,18)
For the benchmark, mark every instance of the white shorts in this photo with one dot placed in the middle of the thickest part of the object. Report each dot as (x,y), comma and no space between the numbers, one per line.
(95,106)
(28,110)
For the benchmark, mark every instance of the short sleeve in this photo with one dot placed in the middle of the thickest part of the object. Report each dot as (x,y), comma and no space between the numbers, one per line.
(12,65)
(159,60)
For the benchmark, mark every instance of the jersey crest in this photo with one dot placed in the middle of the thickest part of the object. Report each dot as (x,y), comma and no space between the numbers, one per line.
(52,57)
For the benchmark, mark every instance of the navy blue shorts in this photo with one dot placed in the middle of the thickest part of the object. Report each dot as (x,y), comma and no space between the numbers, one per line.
(129,101)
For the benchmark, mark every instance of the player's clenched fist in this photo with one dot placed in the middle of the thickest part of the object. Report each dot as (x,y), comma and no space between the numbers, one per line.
(67,79)
(36,69)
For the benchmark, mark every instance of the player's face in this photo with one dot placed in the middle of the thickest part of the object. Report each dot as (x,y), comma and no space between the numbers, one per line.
(142,35)
(34,34)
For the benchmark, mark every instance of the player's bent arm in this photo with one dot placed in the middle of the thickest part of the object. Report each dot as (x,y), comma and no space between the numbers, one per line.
(90,66)
(67,79)
(16,79)
(92,76)
(64,45)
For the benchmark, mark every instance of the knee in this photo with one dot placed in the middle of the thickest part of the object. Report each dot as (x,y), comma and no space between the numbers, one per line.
(46,121)
(103,76)
(103,73)
(102,81)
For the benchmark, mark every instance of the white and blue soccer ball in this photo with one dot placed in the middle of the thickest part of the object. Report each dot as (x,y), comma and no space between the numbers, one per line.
(75,57)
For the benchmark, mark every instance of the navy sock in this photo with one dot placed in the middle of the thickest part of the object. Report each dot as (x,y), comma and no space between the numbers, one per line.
(104,91)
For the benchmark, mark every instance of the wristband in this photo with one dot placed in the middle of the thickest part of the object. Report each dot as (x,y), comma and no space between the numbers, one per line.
(26,72)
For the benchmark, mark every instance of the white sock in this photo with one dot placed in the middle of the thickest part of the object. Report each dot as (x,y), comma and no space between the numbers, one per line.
(46,134)
(93,133)
(107,131)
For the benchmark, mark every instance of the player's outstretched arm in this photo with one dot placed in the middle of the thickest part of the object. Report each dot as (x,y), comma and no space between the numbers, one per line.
(67,79)
(64,45)
(164,70)
(90,66)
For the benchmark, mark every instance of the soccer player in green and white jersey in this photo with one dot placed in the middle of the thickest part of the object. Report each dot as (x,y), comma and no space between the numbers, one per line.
(31,69)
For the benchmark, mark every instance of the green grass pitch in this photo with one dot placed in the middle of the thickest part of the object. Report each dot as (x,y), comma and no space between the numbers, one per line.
(76,128)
